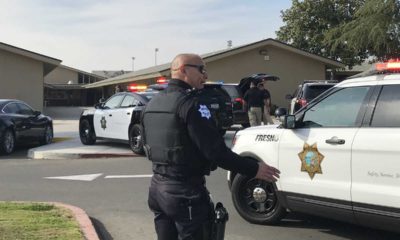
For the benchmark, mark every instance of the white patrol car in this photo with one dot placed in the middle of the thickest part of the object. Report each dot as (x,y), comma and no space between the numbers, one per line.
(116,119)
(339,156)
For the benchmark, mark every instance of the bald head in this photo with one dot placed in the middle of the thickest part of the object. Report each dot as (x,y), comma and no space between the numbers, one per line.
(188,68)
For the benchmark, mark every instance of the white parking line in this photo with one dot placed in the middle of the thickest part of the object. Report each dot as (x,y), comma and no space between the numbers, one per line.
(84,177)
(130,176)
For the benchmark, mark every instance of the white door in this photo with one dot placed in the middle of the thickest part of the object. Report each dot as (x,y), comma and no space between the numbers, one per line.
(315,158)
(376,156)
(124,116)
(104,117)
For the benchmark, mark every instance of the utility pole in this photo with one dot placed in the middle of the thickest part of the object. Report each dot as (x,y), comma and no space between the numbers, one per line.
(155,56)
(133,64)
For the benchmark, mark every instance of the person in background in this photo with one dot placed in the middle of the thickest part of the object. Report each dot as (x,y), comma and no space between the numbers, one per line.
(254,101)
(183,143)
(266,117)
(117,88)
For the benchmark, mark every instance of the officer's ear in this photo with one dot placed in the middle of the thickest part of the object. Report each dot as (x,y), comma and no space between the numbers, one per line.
(182,69)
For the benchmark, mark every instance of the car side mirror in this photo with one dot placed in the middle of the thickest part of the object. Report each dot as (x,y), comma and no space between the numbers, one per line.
(36,113)
(289,122)
(98,105)
(288,96)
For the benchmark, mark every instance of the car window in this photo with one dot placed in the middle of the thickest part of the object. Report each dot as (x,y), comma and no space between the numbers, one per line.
(339,109)
(129,101)
(24,109)
(314,90)
(386,112)
(114,101)
(11,108)
(232,90)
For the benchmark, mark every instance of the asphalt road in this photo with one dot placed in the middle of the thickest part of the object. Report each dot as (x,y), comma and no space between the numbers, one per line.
(118,206)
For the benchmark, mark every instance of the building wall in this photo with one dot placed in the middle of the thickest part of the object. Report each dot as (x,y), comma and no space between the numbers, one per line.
(291,68)
(61,75)
(21,78)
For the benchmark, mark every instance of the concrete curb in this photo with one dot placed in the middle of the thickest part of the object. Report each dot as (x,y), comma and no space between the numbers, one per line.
(83,220)
(53,155)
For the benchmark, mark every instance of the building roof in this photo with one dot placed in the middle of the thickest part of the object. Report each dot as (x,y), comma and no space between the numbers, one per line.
(162,70)
(81,71)
(49,63)
(110,73)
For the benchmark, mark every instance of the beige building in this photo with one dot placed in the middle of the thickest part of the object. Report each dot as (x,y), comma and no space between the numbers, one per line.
(64,87)
(22,74)
(269,56)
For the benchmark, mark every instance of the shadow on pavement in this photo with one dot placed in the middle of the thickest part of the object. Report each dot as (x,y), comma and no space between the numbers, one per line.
(101,230)
(335,228)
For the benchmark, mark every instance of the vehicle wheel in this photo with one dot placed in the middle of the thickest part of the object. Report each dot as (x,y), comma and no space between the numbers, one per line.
(7,142)
(86,133)
(47,138)
(135,139)
(245,125)
(256,200)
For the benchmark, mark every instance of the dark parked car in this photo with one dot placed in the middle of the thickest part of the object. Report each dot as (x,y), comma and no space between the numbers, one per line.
(236,92)
(306,92)
(21,123)
(239,113)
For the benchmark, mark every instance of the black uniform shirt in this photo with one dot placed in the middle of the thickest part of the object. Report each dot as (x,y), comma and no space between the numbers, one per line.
(255,97)
(203,132)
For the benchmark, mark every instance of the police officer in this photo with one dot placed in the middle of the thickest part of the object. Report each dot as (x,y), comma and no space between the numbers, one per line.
(184,145)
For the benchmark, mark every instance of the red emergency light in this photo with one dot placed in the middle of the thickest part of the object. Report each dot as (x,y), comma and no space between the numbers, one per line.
(392,64)
(162,80)
(136,88)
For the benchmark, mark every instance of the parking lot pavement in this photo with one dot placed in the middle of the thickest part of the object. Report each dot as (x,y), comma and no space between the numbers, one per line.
(67,145)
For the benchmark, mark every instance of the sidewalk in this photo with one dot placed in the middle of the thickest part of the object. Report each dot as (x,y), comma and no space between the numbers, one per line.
(67,145)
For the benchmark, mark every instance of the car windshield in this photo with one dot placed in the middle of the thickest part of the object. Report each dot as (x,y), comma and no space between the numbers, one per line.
(232,90)
(314,91)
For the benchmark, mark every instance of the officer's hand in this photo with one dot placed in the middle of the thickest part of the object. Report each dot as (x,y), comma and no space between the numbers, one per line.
(267,173)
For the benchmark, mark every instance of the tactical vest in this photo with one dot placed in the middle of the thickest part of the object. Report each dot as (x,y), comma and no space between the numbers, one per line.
(166,140)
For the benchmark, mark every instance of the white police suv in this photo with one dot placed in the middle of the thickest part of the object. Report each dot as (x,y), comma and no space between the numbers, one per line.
(339,156)
(116,119)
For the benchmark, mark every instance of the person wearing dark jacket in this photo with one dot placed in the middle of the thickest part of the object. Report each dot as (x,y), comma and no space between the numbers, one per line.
(254,100)
(184,145)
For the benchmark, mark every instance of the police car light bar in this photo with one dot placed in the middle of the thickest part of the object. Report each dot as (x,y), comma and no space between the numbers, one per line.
(136,88)
(390,65)
(162,80)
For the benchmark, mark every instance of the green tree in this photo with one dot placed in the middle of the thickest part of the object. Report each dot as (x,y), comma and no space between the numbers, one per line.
(374,30)
(307,23)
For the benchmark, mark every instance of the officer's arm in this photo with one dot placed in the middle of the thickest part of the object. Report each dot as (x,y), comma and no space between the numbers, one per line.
(204,133)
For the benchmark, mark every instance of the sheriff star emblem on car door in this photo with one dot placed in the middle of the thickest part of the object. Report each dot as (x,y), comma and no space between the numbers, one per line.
(103,123)
(311,160)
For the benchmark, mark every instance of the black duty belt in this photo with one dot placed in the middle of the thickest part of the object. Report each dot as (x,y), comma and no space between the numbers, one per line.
(191,180)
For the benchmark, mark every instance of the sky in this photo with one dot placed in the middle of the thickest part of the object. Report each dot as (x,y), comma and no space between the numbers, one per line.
(105,34)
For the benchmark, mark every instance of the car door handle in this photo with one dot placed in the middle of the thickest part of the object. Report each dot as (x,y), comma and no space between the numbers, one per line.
(335,140)
(128,113)
(110,115)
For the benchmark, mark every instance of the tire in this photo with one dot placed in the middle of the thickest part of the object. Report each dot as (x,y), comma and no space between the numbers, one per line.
(86,133)
(264,210)
(135,139)
(7,142)
(47,137)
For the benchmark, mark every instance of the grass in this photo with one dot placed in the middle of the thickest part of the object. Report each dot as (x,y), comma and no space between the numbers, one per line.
(37,221)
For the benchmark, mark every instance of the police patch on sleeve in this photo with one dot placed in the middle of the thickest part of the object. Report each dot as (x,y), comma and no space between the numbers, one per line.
(204,111)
